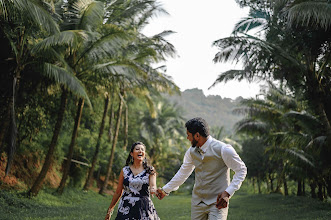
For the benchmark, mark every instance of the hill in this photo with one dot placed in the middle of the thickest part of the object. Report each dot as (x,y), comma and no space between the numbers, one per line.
(217,111)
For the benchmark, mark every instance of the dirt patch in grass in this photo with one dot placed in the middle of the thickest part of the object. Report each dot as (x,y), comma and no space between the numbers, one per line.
(24,171)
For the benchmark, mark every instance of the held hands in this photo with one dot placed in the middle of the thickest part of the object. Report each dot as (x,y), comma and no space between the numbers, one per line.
(222,200)
(160,194)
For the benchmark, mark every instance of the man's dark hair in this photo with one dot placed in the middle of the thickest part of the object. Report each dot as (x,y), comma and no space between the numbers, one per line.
(197,125)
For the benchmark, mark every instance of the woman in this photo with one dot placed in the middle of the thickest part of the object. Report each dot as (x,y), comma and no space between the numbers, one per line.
(136,182)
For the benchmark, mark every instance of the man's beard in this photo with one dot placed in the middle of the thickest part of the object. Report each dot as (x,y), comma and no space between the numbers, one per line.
(194,142)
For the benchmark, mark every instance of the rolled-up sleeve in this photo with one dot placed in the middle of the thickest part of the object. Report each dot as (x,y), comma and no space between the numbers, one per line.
(234,162)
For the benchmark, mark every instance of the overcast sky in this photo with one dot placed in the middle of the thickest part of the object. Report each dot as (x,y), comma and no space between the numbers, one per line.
(197,24)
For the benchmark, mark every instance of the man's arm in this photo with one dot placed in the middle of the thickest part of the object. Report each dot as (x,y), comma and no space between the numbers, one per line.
(234,162)
(180,177)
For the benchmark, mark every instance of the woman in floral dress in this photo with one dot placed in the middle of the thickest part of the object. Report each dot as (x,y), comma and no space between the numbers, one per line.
(136,182)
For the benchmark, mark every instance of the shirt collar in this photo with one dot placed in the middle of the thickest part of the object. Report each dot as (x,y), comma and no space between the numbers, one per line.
(206,144)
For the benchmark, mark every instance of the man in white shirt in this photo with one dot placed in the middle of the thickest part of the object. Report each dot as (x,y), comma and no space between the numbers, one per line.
(212,161)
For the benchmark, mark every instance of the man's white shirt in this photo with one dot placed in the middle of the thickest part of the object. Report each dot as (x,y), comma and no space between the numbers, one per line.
(230,158)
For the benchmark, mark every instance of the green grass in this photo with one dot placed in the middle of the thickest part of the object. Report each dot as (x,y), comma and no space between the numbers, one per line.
(275,206)
(75,204)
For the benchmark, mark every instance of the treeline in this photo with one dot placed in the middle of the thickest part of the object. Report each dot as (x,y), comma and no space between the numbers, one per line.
(79,84)
(286,130)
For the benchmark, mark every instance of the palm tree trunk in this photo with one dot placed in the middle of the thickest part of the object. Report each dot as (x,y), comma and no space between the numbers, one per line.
(97,147)
(49,157)
(285,186)
(299,191)
(71,146)
(312,189)
(126,126)
(324,119)
(259,185)
(271,183)
(111,158)
(13,128)
(317,99)
(20,60)
(328,186)
(280,178)
(111,117)
(320,191)
(5,124)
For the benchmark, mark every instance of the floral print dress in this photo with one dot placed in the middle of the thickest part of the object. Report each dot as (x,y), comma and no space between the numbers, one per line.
(135,203)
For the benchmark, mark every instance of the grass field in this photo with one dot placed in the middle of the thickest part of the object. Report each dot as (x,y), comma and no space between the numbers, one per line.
(76,204)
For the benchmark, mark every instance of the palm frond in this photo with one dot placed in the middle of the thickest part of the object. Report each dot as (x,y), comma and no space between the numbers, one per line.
(150,103)
(317,142)
(280,97)
(160,81)
(289,139)
(306,120)
(67,79)
(151,11)
(251,126)
(31,10)
(109,44)
(299,154)
(248,48)
(69,38)
(260,109)
(310,13)
(163,47)
(122,12)
(230,75)
(250,23)
(92,14)
(115,68)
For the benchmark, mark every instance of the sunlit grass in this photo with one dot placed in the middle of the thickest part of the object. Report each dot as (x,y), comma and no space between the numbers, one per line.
(76,204)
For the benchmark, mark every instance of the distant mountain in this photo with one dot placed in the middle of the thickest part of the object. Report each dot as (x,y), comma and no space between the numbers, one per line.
(217,111)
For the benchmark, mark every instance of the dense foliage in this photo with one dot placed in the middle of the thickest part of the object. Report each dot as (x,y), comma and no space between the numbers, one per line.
(79,84)
(288,126)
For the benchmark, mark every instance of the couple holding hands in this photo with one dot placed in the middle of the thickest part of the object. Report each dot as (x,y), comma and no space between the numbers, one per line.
(212,161)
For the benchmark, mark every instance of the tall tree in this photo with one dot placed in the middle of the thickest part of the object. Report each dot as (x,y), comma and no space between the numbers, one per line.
(292,47)
(97,147)
(21,22)
(49,157)
(67,164)
(76,50)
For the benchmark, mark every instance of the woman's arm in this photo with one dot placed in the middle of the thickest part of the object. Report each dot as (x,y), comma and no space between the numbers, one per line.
(152,183)
(117,195)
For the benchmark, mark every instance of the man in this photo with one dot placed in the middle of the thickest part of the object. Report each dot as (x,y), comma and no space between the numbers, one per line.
(211,160)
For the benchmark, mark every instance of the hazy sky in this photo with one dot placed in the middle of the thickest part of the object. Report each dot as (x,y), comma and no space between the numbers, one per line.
(197,24)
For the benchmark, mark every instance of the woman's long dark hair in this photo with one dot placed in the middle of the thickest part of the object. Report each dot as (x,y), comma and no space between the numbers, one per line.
(149,169)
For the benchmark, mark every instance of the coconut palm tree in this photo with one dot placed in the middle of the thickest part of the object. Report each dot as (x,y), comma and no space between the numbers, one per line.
(20,21)
(292,48)
(281,52)
(161,131)
(78,49)
(286,130)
